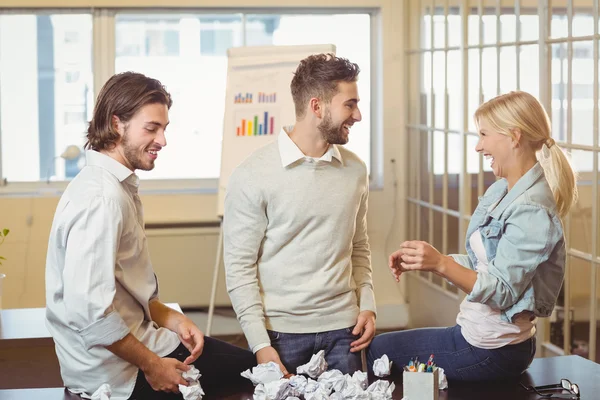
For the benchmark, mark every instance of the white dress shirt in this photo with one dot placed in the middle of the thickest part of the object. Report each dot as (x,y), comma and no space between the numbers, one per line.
(99,279)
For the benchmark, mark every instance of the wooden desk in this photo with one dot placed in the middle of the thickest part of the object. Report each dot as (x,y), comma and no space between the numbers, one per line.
(26,349)
(542,371)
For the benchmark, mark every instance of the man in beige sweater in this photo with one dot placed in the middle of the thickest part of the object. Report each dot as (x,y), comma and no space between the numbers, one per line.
(296,251)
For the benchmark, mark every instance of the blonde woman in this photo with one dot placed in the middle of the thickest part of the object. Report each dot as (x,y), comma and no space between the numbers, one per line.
(515,261)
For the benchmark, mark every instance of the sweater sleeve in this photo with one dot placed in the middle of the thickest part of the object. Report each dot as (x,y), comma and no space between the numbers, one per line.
(361,257)
(244,225)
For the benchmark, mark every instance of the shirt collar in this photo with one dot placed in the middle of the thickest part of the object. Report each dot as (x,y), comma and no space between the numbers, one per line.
(122,173)
(290,153)
(525,182)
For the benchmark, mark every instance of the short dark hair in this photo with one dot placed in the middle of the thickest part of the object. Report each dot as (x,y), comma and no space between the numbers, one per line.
(122,95)
(318,76)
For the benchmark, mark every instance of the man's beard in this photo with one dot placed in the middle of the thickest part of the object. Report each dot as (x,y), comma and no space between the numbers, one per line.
(132,156)
(332,134)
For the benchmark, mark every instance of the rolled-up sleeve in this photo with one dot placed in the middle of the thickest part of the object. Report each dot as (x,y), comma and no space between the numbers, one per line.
(361,258)
(528,239)
(89,273)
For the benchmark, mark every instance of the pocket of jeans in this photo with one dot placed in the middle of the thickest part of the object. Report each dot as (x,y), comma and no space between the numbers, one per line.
(483,370)
(349,331)
(274,336)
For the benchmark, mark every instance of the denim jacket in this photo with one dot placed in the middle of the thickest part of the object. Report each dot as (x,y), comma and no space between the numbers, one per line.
(524,242)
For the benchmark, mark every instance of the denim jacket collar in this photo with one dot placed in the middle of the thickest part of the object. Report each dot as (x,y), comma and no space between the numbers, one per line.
(524,183)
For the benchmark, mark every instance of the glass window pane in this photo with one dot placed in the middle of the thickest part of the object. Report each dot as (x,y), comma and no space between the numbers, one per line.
(427,37)
(188,54)
(473,22)
(455,101)
(473,86)
(580,233)
(413,161)
(508,69)
(583,21)
(439,28)
(46,93)
(558,25)
(583,93)
(559,76)
(453,236)
(427,115)
(439,69)
(529,70)
(350,33)
(424,167)
(425,218)
(490,73)
(454,27)
(508,27)
(530,29)
(472,155)
(580,306)
(438,154)
(490,22)
(454,167)
(412,221)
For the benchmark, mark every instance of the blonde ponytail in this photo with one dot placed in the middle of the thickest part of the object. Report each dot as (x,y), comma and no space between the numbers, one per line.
(520,110)
(560,176)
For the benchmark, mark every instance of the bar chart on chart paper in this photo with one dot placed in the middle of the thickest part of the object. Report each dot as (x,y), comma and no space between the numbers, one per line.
(256,122)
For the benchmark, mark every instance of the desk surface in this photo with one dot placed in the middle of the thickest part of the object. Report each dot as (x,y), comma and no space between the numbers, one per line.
(543,371)
(30,324)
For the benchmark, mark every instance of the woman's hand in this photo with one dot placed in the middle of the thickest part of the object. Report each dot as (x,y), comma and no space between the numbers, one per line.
(417,256)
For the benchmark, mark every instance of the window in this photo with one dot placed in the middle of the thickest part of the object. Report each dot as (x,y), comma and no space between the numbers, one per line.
(194,70)
(46,79)
(501,58)
(188,54)
(46,93)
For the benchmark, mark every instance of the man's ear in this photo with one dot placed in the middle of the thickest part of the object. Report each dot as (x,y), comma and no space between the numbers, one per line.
(314,105)
(117,125)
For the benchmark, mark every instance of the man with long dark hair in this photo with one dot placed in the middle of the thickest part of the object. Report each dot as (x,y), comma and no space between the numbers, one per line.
(103,309)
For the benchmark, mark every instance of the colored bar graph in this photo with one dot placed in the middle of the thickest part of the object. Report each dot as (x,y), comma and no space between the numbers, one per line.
(256,125)
(242,98)
(267,97)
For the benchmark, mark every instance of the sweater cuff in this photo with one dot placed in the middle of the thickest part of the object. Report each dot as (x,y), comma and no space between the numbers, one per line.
(367,299)
(104,332)
(260,347)
(256,334)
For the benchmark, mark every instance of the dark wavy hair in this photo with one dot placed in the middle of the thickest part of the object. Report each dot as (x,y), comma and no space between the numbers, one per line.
(318,76)
(122,95)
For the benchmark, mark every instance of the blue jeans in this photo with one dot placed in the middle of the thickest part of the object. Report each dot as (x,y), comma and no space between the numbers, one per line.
(296,349)
(460,360)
